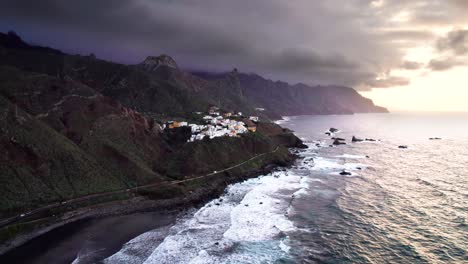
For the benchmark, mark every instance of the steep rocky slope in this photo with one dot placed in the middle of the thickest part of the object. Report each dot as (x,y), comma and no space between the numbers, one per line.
(73,126)
(39,165)
(76,125)
(281,99)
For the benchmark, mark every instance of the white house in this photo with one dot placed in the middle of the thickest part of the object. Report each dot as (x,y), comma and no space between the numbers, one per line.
(254,118)
(216,126)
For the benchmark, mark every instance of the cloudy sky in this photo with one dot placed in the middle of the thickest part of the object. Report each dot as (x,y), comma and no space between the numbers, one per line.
(406,55)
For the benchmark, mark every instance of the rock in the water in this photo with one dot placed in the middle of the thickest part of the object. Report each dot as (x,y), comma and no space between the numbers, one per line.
(333,130)
(328,133)
(338,142)
(370,139)
(355,139)
(435,138)
(345,172)
(403,147)
(337,138)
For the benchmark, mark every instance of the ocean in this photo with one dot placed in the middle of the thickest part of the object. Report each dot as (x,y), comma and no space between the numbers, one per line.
(397,206)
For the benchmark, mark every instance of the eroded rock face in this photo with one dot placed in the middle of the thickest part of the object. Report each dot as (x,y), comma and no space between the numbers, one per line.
(152,63)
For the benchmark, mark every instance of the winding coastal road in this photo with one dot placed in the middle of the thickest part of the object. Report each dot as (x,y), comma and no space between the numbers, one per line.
(14,219)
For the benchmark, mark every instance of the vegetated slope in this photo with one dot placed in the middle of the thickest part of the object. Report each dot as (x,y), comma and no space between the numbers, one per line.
(39,165)
(70,127)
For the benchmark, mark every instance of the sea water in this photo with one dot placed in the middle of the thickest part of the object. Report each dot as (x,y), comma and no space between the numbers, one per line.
(397,206)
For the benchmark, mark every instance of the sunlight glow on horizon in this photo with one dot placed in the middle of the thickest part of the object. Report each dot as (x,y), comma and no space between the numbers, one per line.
(436,91)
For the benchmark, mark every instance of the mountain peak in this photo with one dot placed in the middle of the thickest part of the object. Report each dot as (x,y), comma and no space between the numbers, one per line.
(151,63)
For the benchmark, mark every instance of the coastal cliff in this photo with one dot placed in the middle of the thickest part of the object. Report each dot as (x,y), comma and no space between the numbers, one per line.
(79,133)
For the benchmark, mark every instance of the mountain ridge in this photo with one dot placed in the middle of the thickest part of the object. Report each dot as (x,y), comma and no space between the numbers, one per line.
(299,98)
(159,79)
(73,126)
(104,120)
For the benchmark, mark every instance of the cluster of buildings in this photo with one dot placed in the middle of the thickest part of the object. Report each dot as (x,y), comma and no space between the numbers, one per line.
(217,125)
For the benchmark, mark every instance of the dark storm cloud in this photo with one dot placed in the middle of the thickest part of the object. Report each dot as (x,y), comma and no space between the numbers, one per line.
(453,49)
(319,42)
(412,65)
(406,35)
(296,60)
(444,64)
(432,12)
(455,41)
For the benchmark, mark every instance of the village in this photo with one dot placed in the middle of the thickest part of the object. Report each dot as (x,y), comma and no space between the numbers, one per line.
(217,124)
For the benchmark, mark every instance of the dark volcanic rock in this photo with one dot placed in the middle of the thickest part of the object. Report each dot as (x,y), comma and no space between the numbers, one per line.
(152,63)
(333,130)
(344,172)
(280,135)
(403,147)
(337,138)
(338,142)
(178,135)
(355,139)
(435,138)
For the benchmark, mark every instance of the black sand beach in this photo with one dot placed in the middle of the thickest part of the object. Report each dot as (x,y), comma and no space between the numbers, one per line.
(91,239)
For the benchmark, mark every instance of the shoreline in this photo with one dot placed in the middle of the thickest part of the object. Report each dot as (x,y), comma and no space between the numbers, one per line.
(194,198)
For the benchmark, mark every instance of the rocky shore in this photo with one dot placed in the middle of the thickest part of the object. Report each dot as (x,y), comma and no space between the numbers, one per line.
(175,198)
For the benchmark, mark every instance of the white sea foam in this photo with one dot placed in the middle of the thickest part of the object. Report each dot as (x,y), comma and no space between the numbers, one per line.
(261,216)
(283,119)
(355,166)
(350,156)
(252,212)
(284,246)
(326,164)
(334,167)
(138,249)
